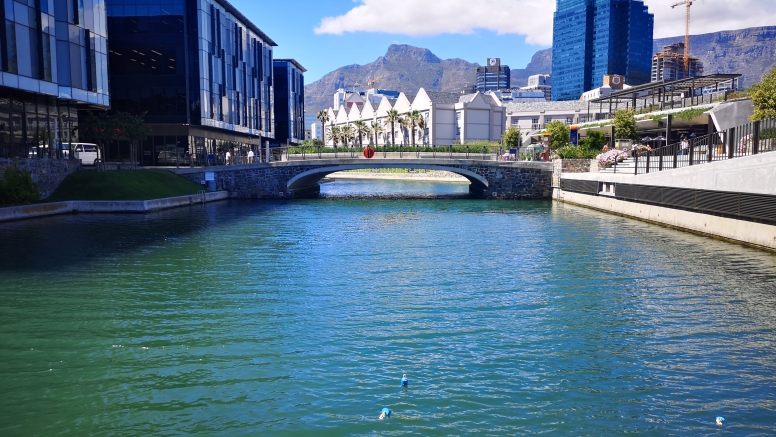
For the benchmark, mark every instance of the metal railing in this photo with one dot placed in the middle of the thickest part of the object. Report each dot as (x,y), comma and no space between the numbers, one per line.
(744,140)
(469,152)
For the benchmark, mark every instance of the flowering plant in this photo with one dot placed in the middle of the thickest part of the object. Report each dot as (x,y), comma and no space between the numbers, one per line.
(642,148)
(607,159)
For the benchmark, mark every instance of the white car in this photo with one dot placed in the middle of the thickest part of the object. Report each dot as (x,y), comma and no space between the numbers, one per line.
(86,152)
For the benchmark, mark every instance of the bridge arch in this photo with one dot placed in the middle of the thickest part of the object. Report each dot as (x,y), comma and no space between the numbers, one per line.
(311,177)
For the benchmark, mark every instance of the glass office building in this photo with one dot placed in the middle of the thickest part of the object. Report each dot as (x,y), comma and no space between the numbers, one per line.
(54,62)
(493,76)
(199,70)
(289,101)
(594,38)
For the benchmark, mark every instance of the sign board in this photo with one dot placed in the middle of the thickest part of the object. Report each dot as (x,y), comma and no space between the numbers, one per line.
(210,176)
(574,135)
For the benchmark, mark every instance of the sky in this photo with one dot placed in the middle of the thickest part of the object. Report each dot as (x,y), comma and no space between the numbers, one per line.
(324,35)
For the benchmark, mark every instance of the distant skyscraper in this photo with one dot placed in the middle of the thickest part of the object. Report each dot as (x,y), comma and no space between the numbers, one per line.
(493,76)
(594,38)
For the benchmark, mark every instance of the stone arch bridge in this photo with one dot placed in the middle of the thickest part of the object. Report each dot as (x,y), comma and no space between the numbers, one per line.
(294,179)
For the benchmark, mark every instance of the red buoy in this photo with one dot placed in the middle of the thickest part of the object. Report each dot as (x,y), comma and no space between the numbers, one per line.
(369,152)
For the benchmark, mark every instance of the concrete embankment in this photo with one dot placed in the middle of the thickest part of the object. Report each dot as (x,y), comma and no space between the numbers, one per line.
(106,206)
(732,200)
(744,232)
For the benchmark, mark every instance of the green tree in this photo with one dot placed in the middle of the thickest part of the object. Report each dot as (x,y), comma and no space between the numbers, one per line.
(593,141)
(559,134)
(512,139)
(323,117)
(101,129)
(393,118)
(625,125)
(763,97)
(133,128)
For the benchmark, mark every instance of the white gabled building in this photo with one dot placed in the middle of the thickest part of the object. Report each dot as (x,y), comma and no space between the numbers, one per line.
(449,118)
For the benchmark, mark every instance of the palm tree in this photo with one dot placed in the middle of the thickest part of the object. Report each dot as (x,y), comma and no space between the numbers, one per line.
(323,117)
(406,124)
(334,134)
(347,134)
(361,129)
(376,129)
(412,120)
(422,127)
(393,117)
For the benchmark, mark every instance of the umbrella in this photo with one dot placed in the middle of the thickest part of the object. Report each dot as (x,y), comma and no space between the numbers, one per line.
(692,135)
(660,138)
(645,139)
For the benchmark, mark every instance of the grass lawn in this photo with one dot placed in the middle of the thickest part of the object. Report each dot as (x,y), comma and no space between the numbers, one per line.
(123,185)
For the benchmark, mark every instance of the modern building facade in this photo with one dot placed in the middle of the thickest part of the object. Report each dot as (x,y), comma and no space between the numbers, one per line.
(289,101)
(595,38)
(493,76)
(540,83)
(199,70)
(54,63)
(669,64)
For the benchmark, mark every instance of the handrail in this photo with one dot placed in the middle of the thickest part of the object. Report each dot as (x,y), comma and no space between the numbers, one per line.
(744,140)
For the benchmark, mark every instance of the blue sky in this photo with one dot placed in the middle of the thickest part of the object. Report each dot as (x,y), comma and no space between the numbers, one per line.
(324,35)
(291,24)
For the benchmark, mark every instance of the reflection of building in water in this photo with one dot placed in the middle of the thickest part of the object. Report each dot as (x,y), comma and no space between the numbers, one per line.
(48,75)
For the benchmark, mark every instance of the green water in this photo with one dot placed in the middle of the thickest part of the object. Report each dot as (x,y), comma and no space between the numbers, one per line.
(299,318)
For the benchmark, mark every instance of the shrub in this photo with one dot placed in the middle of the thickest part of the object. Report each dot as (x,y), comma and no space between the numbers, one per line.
(17,187)
(576,152)
(594,141)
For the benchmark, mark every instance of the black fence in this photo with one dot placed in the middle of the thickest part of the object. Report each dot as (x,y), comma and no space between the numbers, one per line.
(743,206)
(744,140)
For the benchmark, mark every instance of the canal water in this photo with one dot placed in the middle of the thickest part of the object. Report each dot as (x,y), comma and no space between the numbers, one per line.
(299,318)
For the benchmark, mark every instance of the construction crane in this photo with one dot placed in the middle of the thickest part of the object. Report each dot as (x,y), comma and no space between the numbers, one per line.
(687,4)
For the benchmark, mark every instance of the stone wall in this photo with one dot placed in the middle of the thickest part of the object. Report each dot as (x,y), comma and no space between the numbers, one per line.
(572,166)
(270,181)
(47,173)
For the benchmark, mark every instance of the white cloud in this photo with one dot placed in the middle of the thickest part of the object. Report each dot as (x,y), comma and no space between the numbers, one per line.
(711,16)
(413,18)
(531,18)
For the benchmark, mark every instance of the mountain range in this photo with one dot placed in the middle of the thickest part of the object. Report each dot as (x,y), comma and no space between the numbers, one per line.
(751,52)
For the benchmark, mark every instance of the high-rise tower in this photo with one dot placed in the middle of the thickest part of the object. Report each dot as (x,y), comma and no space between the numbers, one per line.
(594,38)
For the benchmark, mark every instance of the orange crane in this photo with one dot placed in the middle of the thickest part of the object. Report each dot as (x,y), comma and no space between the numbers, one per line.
(687,4)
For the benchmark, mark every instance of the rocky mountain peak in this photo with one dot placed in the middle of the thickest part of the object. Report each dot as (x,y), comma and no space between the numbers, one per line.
(404,53)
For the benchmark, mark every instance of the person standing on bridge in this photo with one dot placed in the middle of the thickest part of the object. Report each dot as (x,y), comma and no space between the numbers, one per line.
(228,158)
(250,156)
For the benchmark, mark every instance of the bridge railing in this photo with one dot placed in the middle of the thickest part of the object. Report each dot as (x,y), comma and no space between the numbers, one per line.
(748,139)
(470,152)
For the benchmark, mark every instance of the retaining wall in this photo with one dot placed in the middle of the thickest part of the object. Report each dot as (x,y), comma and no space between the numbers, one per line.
(758,235)
(107,206)
(46,173)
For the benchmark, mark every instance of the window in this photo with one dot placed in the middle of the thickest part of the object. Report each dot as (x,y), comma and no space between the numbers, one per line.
(515,121)
(569,120)
(547,119)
